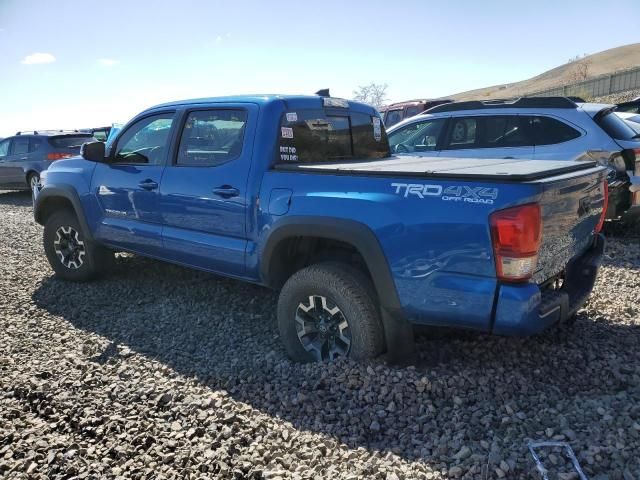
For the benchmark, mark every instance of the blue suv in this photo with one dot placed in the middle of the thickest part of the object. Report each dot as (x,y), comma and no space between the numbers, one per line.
(24,156)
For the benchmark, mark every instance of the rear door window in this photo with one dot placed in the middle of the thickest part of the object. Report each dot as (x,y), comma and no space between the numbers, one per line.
(34,144)
(463,133)
(615,127)
(20,146)
(310,136)
(505,131)
(549,131)
(212,137)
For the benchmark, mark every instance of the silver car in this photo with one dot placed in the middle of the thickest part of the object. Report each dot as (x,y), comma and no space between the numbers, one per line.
(542,128)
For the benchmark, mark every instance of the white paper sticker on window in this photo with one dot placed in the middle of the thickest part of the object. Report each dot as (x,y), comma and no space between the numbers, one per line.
(292,117)
(286,132)
(377,129)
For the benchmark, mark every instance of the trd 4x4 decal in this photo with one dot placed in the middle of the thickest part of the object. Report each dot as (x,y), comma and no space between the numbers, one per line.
(462,193)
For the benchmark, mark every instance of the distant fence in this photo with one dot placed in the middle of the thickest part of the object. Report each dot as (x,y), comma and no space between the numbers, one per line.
(598,86)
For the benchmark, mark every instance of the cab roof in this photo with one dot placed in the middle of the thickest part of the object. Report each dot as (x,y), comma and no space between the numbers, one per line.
(291,101)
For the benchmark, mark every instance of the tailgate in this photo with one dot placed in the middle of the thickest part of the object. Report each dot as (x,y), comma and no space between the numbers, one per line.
(571,208)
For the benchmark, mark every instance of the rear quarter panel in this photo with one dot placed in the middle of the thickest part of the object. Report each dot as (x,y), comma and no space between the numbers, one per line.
(438,249)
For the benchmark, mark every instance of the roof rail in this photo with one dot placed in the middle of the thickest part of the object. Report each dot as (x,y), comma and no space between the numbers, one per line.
(44,132)
(524,102)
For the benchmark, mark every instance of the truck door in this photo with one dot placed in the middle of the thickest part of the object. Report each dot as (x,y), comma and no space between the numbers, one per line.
(127,186)
(203,194)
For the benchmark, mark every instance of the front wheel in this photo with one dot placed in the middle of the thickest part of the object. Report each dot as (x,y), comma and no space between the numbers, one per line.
(327,311)
(70,253)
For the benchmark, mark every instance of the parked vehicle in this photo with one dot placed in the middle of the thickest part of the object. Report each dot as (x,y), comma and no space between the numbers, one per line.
(631,119)
(396,112)
(540,128)
(99,133)
(113,132)
(25,155)
(300,194)
(632,106)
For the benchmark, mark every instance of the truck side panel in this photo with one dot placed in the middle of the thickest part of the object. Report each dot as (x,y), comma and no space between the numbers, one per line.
(434,235)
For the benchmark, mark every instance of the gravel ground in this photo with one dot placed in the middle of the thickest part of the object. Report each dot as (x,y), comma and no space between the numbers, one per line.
(618,97)
(158,372)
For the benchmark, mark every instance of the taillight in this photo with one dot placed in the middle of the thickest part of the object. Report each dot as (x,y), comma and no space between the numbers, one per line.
(516,233)
(58,156)
(605,205)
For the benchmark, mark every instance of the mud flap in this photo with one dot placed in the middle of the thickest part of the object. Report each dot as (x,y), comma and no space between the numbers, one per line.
(399,337)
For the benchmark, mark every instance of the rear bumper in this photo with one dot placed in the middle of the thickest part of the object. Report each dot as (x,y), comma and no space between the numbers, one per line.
(526,310)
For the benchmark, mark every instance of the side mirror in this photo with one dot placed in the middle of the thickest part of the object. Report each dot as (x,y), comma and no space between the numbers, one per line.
(93,151)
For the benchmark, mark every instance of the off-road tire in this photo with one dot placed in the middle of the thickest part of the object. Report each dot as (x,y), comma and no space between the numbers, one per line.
(91,263)
(346,287)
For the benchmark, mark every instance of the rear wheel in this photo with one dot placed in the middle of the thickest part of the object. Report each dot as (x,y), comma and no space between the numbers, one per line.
(33,180)
(70,253)
(327,311)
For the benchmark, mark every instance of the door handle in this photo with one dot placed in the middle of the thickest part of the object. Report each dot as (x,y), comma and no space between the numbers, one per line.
(226,191)
(148,184)
(24,158)
(508,158)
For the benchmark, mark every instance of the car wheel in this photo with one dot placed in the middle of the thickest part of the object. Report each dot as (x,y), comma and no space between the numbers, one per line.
(32,180)
(327,311)
(71,254)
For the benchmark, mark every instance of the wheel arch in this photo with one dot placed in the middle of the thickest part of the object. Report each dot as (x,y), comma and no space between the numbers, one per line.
(53,198)
(349,232)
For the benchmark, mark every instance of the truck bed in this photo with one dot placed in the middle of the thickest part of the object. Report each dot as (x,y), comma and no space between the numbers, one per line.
(506,170)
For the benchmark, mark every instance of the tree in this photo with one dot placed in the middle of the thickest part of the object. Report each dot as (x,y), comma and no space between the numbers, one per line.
(374,94)
(579,72)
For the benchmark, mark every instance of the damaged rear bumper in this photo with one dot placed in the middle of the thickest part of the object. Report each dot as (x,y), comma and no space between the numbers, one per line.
(526,309)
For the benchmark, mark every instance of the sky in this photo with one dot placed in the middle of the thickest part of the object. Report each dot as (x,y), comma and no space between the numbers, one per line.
(77,64)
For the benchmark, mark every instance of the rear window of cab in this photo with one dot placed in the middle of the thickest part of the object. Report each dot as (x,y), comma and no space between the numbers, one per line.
(312,136)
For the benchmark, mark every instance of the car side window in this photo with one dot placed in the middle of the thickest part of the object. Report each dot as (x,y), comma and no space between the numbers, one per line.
(20,146)
(505,131)
(34,144)
(463,133)
(146,142)
(212,137)
(417,137)
(392,117)
(4,148)
(549,131)
(412,111)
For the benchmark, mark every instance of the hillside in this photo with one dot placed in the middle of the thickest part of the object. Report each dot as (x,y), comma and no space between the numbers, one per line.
(601,63)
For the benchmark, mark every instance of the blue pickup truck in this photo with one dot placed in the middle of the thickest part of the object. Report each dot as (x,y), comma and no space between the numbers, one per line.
(301,194)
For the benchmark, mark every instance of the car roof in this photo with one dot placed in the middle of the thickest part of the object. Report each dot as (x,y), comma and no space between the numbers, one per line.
(590,108)
(51,133)
(292,101)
